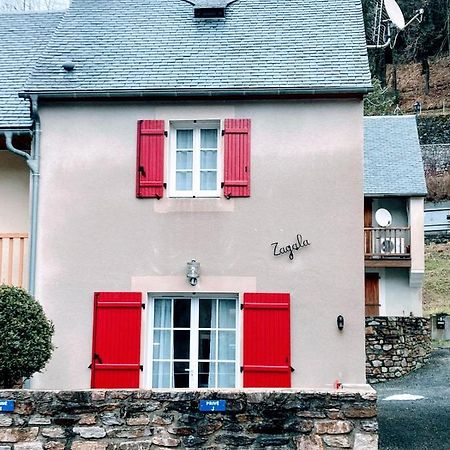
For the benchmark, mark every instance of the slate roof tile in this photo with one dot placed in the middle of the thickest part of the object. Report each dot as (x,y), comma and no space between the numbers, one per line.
(159,45)
(392,157)
(22,36)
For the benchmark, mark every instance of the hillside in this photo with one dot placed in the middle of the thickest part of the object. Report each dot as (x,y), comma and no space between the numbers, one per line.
(410,86)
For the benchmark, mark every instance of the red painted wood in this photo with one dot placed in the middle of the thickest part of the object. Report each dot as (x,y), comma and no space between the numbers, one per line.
(150,159)
(116,343)
(267,340)
(237,158)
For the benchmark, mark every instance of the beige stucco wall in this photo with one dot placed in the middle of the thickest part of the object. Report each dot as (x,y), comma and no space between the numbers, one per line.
(416,218)
(14,193)
(94,235)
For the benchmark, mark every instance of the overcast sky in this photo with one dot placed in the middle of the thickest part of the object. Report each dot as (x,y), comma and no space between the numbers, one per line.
(29,5)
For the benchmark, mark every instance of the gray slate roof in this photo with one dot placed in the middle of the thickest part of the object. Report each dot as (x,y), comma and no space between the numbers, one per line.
(158,46)
(22,37)
(392,157)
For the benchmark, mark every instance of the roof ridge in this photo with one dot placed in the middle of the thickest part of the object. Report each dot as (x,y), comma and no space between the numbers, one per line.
(31,13)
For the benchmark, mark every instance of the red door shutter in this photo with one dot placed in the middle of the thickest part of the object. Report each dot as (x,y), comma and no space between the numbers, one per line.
(267,346)
(150,159)
(237,158)
(116,342)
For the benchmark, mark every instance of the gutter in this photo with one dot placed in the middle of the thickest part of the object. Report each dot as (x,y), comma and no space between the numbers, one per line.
(33,161)
(192,92)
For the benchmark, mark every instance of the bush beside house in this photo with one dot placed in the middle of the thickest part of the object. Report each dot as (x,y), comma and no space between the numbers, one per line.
(26,343)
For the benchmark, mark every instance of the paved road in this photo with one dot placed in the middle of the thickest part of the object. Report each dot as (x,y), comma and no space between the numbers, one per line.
(420,424)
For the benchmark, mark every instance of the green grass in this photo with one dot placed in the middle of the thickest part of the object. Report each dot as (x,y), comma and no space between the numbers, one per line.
(436,287)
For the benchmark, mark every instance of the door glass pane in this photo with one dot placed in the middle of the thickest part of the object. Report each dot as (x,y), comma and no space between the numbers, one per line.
(181,313)
(227,313)
(208,180)
(226,375)
(162,312)
(207,313)
(161,344)
(161,375)
(181,343)
(208,159)
(184,160)
(208,138)
(206,374)
(185,139)
(206,344)
(181,374)
(184,181)
(227,345)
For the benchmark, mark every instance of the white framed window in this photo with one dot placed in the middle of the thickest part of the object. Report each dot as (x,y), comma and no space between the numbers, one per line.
(194,159)
(193,342)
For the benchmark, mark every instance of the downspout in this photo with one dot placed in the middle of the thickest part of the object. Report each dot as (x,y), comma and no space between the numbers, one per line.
(33,161)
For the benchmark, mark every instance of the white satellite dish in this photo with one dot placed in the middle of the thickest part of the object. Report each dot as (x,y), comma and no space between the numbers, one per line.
(395,13)
(383,217)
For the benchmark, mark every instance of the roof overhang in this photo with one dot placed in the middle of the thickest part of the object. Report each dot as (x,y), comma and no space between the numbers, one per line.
(194,92)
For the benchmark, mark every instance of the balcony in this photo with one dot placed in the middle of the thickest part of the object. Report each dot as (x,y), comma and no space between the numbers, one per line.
(387,247)
(13,247)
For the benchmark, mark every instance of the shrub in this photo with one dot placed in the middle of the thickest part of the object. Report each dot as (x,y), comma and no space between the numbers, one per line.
(26,336)
(438,186)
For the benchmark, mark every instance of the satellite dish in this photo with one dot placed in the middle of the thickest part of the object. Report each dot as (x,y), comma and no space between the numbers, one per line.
(383,217)
(395,13)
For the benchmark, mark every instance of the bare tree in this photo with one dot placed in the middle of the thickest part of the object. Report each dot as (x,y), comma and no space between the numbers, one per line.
(32,5)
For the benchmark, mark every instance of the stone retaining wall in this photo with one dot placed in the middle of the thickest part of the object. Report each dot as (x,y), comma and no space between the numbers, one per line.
(436,158)
(132,420)
(395,346)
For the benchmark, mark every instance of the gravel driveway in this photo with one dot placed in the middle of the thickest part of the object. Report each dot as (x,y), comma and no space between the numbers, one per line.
(422,424)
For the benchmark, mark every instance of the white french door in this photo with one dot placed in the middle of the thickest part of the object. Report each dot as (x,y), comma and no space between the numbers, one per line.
(193,342)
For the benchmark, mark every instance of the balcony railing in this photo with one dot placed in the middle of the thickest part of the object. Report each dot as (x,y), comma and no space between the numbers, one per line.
(12,258)
(389,243)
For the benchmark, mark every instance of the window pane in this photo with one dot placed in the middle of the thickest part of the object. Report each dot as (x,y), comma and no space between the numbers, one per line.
(184,160)
(163,310)
(181,342)
(208,181)
(208,138)
(184,181)
(227,345)
(185,139)
(161,375)
(207,313)
(226,375)
(161,344)
(181,313)
(227,313)
(207,344)
(208,159)
(181,374)
(206,375)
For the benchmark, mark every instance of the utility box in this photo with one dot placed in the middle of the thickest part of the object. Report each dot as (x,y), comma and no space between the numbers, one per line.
(440,327)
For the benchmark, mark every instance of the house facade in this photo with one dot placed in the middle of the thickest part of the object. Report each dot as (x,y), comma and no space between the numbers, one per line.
(198,225)
(394,194)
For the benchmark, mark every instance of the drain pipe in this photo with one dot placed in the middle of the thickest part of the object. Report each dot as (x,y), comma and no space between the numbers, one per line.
(33,163)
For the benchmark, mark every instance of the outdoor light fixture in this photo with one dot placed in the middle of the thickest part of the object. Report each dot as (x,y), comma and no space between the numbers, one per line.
(340,322)
(193,272)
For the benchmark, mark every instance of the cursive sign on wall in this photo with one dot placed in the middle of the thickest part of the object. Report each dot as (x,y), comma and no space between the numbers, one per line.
(290,249)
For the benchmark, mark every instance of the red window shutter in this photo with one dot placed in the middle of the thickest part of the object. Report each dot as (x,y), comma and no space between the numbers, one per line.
(267,346)
(150,159)
(116,342)
(237,158)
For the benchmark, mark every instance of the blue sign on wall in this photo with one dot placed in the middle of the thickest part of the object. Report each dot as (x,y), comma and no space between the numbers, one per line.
(7,405)
(212,405)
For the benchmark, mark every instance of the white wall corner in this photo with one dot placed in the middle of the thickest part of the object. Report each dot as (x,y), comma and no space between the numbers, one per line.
(416,278)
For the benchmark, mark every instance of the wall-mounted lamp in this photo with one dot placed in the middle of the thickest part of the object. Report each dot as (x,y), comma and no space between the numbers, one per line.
(340,322)
(193,272)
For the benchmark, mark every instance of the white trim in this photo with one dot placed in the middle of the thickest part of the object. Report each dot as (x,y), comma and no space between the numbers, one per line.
(194,336)
(196,126)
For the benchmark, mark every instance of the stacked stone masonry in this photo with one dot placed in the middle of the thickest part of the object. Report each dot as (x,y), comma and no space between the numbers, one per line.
(395,346)
(137,419)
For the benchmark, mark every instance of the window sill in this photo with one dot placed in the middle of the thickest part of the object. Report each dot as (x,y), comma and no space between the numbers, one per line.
(169,205)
